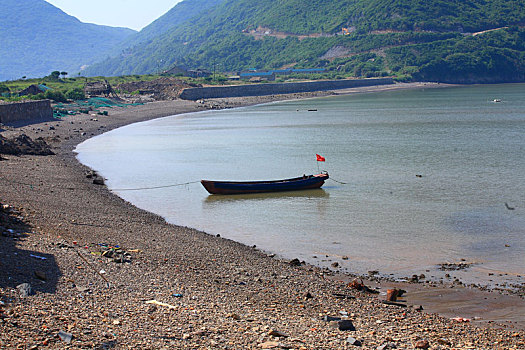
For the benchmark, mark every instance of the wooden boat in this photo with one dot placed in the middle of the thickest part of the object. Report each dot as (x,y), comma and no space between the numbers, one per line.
(305,182)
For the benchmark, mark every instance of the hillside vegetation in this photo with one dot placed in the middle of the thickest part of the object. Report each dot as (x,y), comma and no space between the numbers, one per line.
(37,38)
(411,39)
(179,14)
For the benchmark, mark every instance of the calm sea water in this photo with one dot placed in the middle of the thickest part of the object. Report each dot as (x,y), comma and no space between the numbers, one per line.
(468,149)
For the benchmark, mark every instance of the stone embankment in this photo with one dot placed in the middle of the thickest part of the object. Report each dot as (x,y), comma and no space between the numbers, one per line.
(24,111)
(278,88)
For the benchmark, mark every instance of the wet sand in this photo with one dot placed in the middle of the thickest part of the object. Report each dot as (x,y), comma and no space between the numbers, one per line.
(485,308)
(176,287)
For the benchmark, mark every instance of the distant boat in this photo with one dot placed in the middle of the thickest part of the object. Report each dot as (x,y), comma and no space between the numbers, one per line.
(305,182)
(496,100)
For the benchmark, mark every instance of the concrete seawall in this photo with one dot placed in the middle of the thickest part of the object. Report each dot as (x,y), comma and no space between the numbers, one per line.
(24,111)
(278,88)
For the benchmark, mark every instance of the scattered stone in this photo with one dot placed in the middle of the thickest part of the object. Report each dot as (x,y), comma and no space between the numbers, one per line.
(65,337)
(461,319)
(331,318)
(343,296)
(98,181)
(82,289)
(346,325)
(394,303)
(360,286)
(116,254)
(353,341)
(422,344)
(276,333)
(234,316)
(23,144)
(25,290)
(270,345)
(387,346)
(295,262)
(444,342)
(454,266)
(392,294)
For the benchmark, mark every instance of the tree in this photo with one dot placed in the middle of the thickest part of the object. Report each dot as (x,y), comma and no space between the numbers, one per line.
(63,74)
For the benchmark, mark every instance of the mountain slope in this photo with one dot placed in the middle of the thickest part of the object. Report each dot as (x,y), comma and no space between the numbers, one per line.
(411,38)
(37,38)
(179,14)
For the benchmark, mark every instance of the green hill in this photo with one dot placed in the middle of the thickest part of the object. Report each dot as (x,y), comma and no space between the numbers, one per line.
(37,38)
(179,14)
(412,39)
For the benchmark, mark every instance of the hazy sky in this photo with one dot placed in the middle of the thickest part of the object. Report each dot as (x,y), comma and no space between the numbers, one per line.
(134,14)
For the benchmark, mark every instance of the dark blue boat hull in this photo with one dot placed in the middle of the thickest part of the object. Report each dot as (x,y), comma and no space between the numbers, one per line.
(294,184)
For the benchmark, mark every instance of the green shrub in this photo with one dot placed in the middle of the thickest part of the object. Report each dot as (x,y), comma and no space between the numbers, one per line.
(3,88)
(75,94)
(39,96)
(55,95)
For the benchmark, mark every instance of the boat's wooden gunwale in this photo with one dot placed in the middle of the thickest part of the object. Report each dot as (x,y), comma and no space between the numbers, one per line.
(241,187)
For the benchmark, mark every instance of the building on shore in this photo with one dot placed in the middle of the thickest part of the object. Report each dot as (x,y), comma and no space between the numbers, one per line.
(193,73)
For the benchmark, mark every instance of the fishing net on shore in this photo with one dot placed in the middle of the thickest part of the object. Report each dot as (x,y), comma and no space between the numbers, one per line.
(91,105)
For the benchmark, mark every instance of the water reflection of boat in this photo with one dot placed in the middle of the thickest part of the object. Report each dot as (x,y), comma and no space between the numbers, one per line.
(307,194)
(304,182)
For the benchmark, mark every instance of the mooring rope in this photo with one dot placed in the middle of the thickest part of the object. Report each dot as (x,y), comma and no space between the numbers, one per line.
(153,188)
(340,182)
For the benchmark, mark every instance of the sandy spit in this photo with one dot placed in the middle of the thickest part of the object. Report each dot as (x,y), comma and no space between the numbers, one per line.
(170,287)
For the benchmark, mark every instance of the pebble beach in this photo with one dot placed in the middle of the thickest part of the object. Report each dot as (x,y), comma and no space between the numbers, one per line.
(80,268)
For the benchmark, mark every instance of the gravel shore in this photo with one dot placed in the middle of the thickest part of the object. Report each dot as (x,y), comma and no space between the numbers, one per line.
(104,274)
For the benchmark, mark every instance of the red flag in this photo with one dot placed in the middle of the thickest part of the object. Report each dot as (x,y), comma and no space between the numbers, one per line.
(320,158)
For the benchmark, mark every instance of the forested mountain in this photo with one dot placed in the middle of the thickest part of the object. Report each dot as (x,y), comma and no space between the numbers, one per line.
(179,14)
(37,38)
(444,40)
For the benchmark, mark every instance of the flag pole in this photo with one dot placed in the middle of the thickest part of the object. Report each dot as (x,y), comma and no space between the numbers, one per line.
(319,159)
